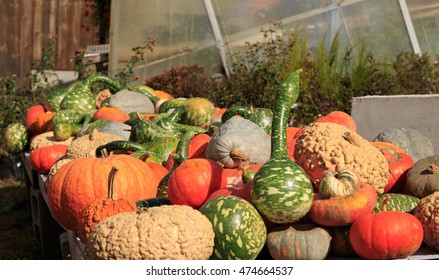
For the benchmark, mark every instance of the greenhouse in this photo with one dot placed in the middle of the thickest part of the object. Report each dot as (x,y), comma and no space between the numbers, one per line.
(207,32)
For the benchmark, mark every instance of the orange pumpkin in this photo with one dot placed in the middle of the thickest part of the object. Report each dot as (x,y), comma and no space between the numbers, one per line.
(32,114)
(111,114)
(292,134)
(42,159)
(160,94)
(399,164)
(193,181)
(339,117)
(42,123)
(386,235)
(81,181)
(159,170)
(196,149)
(102,208)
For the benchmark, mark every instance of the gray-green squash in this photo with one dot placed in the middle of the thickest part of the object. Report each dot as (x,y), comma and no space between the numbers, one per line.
(299,242)
(413,142)
(237,142)
(131,101)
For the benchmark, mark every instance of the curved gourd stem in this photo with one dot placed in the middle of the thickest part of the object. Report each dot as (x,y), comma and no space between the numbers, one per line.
(434,169)
(113,84)
(236,110)
(290,86)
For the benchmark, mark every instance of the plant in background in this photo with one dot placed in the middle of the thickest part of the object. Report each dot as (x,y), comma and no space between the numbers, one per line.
(43,78)
(13,101)
(126,74)
(183,81)
(82,65)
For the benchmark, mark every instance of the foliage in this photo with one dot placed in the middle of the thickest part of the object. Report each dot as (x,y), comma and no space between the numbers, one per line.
(126,74)
(183,81)
(13,103)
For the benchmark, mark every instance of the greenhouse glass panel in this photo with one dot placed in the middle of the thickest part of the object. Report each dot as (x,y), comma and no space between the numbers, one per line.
(182,30)
(425,18)
(377,25)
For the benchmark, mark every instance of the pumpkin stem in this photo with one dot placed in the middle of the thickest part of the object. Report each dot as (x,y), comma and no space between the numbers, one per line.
(104,153)
(236,154)
(433,168)
(111,188)
(351,139)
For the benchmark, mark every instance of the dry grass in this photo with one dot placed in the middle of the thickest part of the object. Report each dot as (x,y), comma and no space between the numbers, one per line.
(17,239)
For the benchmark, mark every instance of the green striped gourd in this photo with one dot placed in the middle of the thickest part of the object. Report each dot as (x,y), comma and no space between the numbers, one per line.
(396,202)
(81,97)
(240,232)
(260,116)
(198,111)
(54,100)
(282,191)
(338,184)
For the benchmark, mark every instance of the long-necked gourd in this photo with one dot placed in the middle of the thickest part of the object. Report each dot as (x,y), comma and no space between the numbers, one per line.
(282,191)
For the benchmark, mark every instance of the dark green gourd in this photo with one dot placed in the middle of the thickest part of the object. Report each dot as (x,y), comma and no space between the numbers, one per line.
(260,116)
(282,191)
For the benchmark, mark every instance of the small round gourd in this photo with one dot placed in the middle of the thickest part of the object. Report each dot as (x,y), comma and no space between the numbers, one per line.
(299,242)
(423,177)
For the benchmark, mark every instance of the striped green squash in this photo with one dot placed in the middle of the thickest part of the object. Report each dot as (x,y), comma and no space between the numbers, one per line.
(282,191)
(240,232)
(396,202)
(261,116)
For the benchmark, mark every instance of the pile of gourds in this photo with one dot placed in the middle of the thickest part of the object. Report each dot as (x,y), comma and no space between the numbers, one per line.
(139,174)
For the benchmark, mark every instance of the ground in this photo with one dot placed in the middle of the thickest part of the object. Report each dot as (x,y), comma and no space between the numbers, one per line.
(17,239)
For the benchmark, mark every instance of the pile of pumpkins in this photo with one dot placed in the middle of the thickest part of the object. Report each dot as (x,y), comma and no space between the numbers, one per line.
(138,174)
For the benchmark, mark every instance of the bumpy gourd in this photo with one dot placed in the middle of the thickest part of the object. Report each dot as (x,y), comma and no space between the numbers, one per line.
(330,146)
(281,190)
(427,211)
(85,146)
(47,139)
(167,232)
